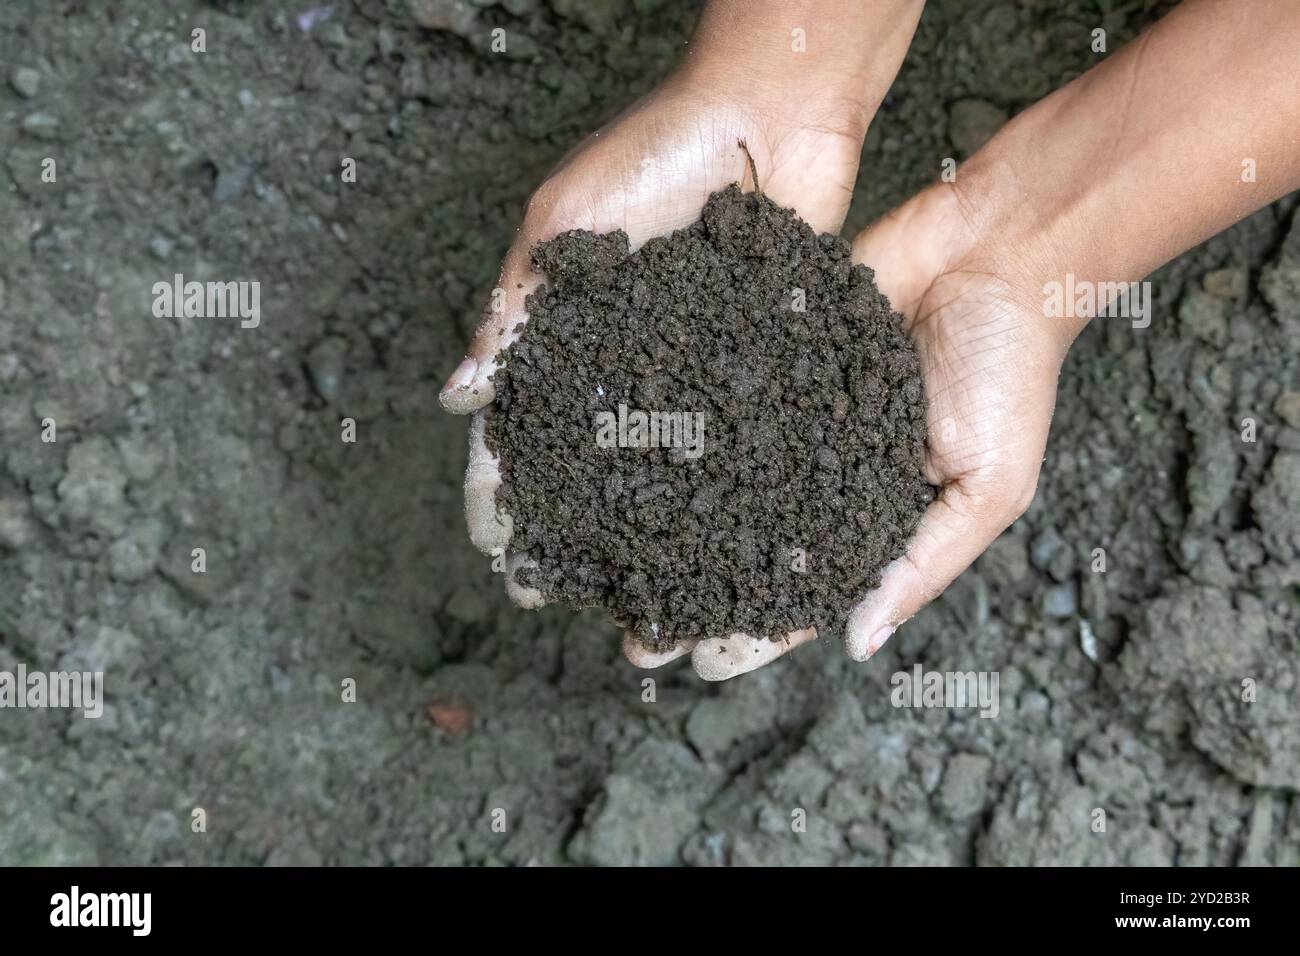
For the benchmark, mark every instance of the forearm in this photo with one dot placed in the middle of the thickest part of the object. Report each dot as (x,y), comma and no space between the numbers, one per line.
(833,56)
(1174,138)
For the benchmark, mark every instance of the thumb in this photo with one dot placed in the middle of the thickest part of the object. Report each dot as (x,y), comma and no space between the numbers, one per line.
(955,530)
(470,388)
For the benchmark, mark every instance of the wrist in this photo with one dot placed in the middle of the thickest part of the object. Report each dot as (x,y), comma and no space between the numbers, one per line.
(821,63)
(1026,230)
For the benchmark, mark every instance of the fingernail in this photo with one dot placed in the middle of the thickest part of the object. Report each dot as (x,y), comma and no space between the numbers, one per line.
(877,640)
(460,378)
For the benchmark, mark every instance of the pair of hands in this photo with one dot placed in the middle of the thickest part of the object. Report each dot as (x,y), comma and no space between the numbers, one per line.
(989,358)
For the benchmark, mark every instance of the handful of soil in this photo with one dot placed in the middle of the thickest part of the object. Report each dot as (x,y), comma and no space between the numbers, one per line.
(721,432)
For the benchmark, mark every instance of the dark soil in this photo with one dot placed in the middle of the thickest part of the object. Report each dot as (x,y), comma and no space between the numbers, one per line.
(1121,690)
(805,478)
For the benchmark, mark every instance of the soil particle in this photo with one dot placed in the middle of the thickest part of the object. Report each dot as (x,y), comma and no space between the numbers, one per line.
(792,473)
(964,781)
(451,715)
(25,81)
(93,491)
(1227,283)
(452,16)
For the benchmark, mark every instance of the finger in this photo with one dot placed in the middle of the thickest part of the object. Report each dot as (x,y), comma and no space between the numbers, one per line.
(528,598)
(905,268)
(470,387)
(721,658)
(955,530)
(639,655)
(489,528)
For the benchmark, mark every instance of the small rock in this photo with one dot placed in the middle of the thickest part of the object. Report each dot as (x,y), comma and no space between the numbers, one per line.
(1088,642)
(868,840)
(142,457)
(964,783)
(1288,407)
(161,828)
(1034,703)
(451,715)
(1006,562)
(1226,283)
(411,79)
(1044,548)
(111,651)
(325,363)
(1059,601)
(451,16)
(631,824)
(231,182)
(134,556)
(93,492)
(1211,474)
(598,16)
(333,36)
(520,46)
(177,566)
(16,529)
(1204,316)
(716,723)
(972,123)
(25,81)
(42,125)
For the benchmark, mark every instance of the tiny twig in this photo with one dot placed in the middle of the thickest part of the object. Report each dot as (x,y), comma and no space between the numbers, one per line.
(753,168)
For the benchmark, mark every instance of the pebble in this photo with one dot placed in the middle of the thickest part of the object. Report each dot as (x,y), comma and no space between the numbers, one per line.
(1204,316)
(1287,404)
(325,362)
(965,781)
(25,81)
(231,182)
(453,16)
(1225,283)
(134,556)
(1044,548)
(16,530)
(41,126)
(1059,601)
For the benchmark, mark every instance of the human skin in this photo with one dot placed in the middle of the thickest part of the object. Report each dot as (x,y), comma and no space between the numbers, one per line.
(1121,170)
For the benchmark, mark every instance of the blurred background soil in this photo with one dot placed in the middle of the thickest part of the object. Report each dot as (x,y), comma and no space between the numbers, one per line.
(326,561)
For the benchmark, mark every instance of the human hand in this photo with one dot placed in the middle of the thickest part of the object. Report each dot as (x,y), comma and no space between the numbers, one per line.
(990,361)
(649,173)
